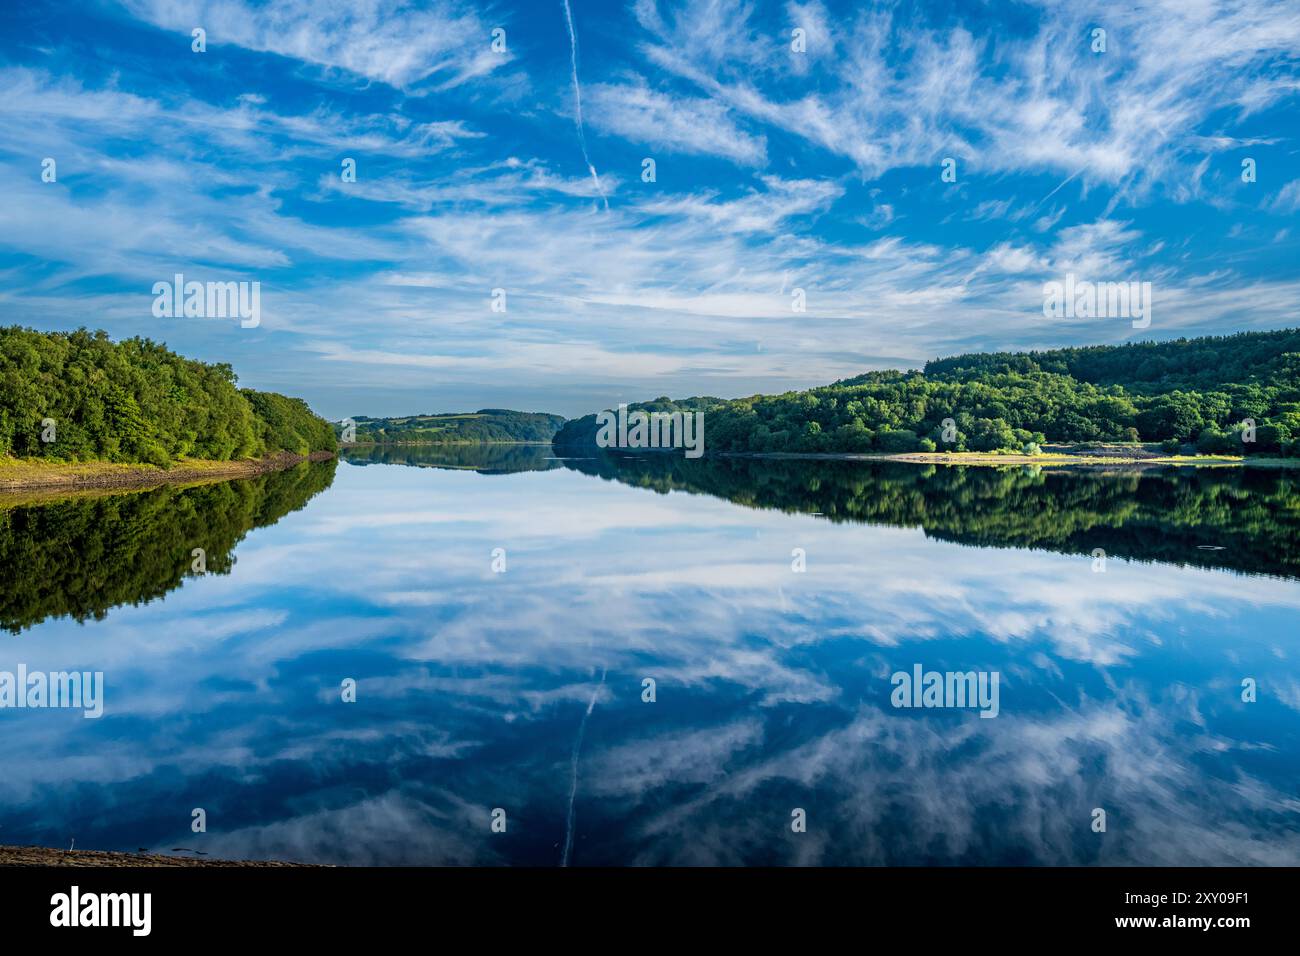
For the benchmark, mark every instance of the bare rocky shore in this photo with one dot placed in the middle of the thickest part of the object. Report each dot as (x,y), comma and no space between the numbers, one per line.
(44,856)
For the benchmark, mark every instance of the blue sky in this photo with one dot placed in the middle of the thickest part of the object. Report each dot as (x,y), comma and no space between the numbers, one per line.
(776,170)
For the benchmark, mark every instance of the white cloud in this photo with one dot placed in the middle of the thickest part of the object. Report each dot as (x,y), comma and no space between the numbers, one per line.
(691,125)
(897,94)
(1287,199)
(444,42)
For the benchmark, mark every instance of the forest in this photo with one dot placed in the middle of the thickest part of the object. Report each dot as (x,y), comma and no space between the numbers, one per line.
(1199,395)
(79,396)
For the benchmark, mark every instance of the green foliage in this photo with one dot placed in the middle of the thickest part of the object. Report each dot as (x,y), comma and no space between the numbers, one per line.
(484,426)
(136,401)
(1152,391)
(1216,441)
(288,424)
(1272,439)
(897,440)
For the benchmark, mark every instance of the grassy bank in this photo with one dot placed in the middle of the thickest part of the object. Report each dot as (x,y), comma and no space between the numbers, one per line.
(43,474)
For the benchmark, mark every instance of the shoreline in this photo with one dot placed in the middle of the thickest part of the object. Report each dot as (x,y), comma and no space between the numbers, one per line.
(46,856)
(1044,460)
(347,445)
(975,459)
(37,475)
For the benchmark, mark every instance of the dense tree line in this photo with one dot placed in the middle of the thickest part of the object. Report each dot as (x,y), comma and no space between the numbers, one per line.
(1190,394)
(484,426)
(79,396)
(288,424)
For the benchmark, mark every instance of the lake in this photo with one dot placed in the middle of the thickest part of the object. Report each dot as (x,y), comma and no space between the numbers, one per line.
(662,661)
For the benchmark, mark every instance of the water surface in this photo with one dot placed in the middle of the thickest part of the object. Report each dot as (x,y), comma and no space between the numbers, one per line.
(1120,689)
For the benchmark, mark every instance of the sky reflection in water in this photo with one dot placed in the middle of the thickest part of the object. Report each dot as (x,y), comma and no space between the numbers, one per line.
(1119,690)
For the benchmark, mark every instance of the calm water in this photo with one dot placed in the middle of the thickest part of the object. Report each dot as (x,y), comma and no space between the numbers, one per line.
(522,690)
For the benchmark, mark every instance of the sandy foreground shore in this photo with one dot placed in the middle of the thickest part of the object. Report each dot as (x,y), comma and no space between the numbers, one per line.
(28,475)
(44,856)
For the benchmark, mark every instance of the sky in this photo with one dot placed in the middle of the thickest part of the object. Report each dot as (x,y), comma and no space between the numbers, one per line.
(799,154)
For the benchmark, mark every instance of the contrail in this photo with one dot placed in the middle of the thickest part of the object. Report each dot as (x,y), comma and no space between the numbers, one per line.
(1068,179)
(577,98)
(573,788)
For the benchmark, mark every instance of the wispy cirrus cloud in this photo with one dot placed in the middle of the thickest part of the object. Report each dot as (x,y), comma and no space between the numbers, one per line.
(884,90)
(443,42)
(691,125)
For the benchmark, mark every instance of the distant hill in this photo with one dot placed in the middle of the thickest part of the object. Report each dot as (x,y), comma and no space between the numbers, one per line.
(1185,393)
(487,425)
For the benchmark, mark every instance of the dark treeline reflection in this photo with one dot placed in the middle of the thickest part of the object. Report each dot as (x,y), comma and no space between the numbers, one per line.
(1243,519)
(79,557)
(486,459)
